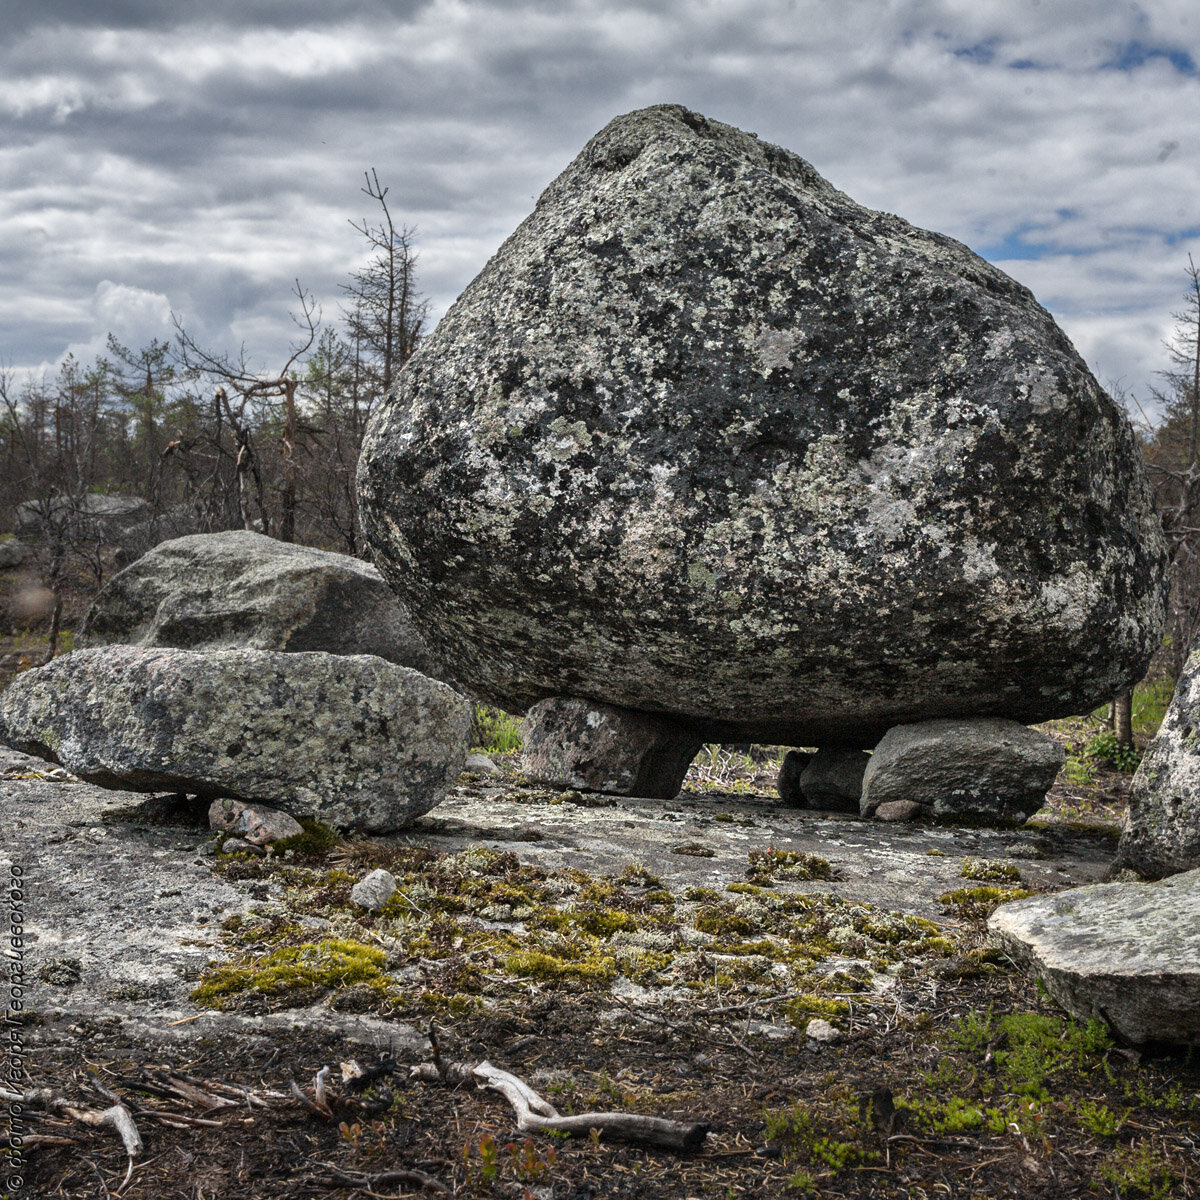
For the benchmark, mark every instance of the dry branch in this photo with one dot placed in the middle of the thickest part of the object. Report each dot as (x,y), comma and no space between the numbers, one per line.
(536,1115)
(361,1180)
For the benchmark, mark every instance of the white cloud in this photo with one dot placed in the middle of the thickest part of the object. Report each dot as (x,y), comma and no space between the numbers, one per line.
(133,315)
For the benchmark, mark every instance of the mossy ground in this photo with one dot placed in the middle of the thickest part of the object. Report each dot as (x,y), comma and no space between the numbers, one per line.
(477,923)
(963,1083)
(951,1076)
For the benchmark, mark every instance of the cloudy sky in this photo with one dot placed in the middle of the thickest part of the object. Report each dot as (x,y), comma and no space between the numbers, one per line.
(196,158)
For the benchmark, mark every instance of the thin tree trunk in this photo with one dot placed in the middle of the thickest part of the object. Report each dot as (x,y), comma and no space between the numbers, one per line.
(56,584)
(1123,718)
(287,516)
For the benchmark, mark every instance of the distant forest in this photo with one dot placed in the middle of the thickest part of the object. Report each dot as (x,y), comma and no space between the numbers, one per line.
(207,441)
(211,444)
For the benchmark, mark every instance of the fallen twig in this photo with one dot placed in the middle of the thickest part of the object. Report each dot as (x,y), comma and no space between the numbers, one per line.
(361,1180)
(321,1110)
(535,1114)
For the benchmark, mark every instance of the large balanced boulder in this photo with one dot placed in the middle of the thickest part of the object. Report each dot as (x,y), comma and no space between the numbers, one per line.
(1162,827)
(221,591)
(1128,953)
(706,438)
(354,741)
(987,769)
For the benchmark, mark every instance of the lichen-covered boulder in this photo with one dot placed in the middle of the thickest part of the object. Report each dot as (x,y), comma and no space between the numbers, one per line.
(706,438)
(239,589)
(351,740)
(92,517)
(987,769)
(1162,828)
(1128,953)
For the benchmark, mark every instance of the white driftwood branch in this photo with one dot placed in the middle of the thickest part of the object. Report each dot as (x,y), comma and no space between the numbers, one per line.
(121,1119)
(535,1114)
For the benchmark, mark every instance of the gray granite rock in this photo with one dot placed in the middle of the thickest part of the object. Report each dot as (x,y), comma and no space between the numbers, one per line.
(373,891)
(224,591)
(13,552)
(600,748)
(93,516)
(990,769)
(707,438)
(480,764)
(787,783)
(259,824)
(898,810)
(1162,828)
(832,779)
(352,740)
(1128,953)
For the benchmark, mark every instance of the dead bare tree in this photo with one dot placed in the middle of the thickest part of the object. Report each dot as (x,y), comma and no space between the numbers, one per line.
(1172,447)
(55,435)
(239,399)
(385,315)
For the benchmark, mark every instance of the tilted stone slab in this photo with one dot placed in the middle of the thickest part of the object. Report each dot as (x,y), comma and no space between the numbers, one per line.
(239,589)
(599,748)
(1128,953)
(988,768)
(1162,827)
(707,438)
(354,741)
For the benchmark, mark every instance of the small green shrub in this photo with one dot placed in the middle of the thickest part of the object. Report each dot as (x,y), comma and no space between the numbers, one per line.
(1105,748)
(494,730)
(1098,1118)
(1079,771)
(1140,1170)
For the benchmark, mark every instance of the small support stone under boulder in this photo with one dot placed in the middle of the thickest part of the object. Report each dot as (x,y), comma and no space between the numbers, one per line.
(989,769)
(601,748)
(788,781)
(1128,953)
(832,779)
(1162,829)
(352,740)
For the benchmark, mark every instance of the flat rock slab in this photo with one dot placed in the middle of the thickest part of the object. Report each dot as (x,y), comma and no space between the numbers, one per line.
(707,438)
(1128,953)
(122,908)
(241,590)
(354,741)
(117,882)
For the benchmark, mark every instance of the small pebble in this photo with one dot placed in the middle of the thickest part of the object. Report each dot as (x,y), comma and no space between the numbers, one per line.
(820,1030)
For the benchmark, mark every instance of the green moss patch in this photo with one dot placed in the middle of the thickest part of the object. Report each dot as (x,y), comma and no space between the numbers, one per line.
(334,962)
(978,903)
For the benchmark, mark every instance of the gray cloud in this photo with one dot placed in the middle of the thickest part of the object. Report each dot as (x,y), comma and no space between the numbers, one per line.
(210,156)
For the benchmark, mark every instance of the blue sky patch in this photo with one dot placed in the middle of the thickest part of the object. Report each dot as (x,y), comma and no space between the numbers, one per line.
(1131,55)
